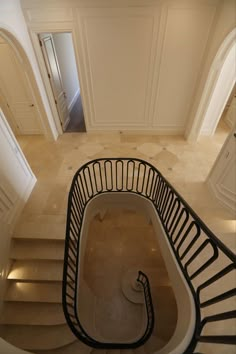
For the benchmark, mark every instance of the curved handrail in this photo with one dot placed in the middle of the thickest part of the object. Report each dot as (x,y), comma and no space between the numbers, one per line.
(188,237)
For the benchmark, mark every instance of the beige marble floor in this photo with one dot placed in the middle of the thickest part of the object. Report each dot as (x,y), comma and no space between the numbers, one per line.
(186,165)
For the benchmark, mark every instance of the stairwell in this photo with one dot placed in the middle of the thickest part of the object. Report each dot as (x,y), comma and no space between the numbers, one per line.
(32,316)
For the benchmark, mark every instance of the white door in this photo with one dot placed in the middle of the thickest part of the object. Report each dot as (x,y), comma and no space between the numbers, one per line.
(16,93)
(222,178)
(53,69)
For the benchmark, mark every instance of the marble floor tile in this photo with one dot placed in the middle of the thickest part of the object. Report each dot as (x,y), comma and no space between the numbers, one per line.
(121,245)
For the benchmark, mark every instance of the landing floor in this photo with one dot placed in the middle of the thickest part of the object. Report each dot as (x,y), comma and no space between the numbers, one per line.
(186,165)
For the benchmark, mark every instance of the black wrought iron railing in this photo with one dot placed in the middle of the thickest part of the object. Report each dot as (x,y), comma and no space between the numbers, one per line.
(206,263)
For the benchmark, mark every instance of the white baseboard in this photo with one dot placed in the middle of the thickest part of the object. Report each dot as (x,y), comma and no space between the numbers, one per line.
(135,130)
(72,102)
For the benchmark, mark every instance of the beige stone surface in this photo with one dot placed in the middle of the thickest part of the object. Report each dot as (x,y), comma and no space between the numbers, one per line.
(185,165)
(30,313)
(36,270)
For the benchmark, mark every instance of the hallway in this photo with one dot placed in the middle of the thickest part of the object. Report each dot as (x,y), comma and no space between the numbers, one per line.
(76,123)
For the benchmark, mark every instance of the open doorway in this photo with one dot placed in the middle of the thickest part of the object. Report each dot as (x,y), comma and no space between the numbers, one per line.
(229,113)
(227,119)
(221,94)
(60,62)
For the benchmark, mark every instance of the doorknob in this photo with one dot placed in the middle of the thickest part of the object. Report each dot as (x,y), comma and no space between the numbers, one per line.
(31,105)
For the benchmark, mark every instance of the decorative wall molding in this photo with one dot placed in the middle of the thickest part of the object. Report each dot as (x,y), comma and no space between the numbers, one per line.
(230,205)
(195,127)
(16,178)
(222,177)
(16,183)
(46,15)
(150,102)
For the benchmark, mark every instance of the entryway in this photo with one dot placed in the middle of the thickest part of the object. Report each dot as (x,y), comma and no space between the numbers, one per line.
(59,57)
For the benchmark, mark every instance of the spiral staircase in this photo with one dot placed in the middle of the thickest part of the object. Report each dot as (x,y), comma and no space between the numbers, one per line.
(44,263)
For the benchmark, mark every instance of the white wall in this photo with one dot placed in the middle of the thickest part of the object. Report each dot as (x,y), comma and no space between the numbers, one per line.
(224,25)
(222,91)
(223,174)
(139,60)
(143,64)
(16,183)
(12,19)
(66,59)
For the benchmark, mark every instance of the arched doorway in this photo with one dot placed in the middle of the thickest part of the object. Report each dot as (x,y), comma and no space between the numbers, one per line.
(218,87)
(20,100)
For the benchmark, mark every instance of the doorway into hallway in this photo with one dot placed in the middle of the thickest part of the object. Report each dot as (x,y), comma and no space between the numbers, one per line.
(59,57)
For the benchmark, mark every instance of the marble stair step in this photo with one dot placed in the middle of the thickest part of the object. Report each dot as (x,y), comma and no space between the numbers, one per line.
(37,249)
(140,350)
(36,270)
(51,227)
(18,313)
(38,337)
(76,347)
(153,344)
(34,292)
(166,312)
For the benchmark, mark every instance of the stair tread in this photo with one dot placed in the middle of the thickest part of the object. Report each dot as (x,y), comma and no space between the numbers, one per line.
(37,249)
(18,313)
(38,337)
(36,270)
(140,350)
(166,310)
(34,292)
(73,348)
(50,227)
(154,343)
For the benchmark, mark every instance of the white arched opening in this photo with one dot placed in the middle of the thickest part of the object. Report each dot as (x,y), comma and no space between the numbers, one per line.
(20,60)
(221,93)
(218,87)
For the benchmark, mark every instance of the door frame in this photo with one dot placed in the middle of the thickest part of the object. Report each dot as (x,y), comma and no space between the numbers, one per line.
(25,63)
(48,36)
(35,31)
(210,84)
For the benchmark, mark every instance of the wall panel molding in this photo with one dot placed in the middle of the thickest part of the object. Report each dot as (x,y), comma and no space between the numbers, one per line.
(167,40)
(87,19)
